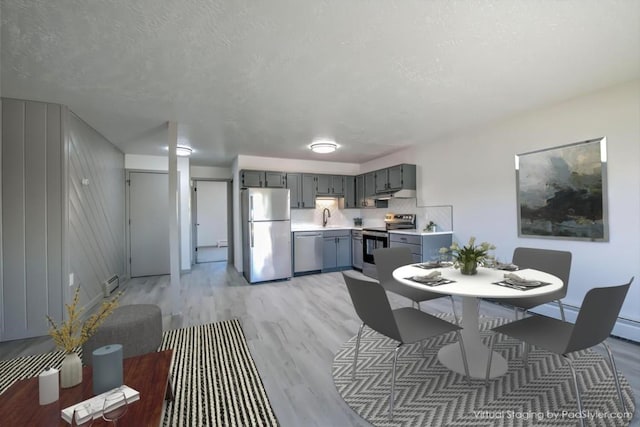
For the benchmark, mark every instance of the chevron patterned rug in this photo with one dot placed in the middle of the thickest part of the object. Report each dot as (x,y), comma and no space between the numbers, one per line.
(215,380)
(429,394)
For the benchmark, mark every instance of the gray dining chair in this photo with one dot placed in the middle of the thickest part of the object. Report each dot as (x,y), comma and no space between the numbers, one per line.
(595,321)
(550,261)
(387,260)
(406,325)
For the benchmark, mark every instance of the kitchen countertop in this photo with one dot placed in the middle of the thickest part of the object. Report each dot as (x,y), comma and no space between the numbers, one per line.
(419,233)
(313,227)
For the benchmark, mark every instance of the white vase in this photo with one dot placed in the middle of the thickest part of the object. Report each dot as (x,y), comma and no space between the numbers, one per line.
(70,370)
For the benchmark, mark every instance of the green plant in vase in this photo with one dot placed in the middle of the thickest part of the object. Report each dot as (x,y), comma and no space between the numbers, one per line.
(467,257)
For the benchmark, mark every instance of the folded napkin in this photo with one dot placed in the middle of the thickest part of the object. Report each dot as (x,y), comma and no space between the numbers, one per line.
(432,275)
(514,279)
(429,279)
(507,267)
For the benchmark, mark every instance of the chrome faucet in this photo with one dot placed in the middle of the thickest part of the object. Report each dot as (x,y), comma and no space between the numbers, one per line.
(326,214)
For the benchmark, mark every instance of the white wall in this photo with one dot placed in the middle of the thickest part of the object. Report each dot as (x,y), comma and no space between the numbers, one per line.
(161,163)
(210,172)
(293,165)
(474,172)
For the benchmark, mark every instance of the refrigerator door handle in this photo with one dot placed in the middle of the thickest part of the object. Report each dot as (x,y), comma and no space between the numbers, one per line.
(251,209)
(251,238)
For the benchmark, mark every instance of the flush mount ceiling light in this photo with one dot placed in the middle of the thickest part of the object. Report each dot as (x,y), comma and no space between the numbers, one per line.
(323,146)
(183,151)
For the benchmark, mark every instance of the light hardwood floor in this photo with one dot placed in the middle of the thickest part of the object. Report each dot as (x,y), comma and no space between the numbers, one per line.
(293,329)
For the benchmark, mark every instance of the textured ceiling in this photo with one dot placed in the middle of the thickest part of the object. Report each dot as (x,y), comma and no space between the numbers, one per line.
(267,77)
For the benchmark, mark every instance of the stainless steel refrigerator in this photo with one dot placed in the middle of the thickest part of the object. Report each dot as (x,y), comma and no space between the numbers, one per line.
(266,234)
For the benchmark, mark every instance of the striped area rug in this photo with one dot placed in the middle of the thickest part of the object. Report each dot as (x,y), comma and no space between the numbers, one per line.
(215,380)
(429,394)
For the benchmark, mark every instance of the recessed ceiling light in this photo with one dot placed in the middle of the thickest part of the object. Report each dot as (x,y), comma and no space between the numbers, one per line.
(323,146)
(183,151)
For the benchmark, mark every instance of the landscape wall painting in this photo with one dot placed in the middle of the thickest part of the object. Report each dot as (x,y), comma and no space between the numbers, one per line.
(562,192)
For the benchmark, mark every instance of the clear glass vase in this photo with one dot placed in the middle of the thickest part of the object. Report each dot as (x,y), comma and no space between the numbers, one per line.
(469,267)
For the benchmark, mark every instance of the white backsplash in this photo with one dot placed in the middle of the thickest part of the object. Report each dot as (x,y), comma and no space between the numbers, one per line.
(339,217)
(441,215)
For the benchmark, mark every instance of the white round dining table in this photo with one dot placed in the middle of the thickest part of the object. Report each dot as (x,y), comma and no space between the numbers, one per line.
(471,289)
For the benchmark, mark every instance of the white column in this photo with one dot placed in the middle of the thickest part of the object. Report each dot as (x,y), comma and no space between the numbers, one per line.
(174,226)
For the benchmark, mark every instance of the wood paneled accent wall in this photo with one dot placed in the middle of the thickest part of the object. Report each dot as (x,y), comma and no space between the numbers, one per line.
(51,224)
(96,208)
(32,191)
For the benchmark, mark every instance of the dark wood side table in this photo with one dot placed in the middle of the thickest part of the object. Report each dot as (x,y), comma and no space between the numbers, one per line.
(148,374)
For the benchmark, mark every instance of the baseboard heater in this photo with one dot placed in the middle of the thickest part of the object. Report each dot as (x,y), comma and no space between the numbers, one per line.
(110,285)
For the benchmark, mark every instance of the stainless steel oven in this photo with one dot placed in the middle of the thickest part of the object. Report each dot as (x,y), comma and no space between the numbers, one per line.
(372,239)
(378,237)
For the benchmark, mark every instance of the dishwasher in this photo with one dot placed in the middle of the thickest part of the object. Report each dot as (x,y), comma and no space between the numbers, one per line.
(307,247)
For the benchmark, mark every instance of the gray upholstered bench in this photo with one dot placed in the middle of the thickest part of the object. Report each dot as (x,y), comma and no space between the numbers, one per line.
(138,327)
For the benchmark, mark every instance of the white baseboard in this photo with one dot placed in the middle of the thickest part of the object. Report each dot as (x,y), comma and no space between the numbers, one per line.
(625,328)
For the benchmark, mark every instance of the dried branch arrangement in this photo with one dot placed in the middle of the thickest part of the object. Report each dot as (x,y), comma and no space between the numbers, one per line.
(71,333)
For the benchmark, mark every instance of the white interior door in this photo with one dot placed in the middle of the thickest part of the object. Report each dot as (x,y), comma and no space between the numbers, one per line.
(149,223)
(211,221)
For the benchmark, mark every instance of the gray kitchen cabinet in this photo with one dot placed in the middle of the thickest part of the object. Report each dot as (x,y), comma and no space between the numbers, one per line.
(294,184)
(356,249)
(423,247)
(308,191)
(336,250)
(337,185)
(362,200)
(413,242)
(324,184)
(395,178)
(330,185)
(253,178)
(275,179)
(369,184)
(302,189)
(381,181)
(350,199)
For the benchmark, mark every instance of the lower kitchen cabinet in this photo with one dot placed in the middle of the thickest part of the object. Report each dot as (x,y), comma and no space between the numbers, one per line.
(336,250)
(413,242)
(425,247)
(356,249)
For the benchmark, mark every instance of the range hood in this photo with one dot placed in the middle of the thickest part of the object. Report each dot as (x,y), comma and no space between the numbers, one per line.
(400,194)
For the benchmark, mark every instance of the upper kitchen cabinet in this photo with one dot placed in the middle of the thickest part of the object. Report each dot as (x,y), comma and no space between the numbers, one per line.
(365,190)
(302,188)
(275,179)
(350,199)
(270,179)
(294,184)
(395,178)
(369,184)
(330,185)
(309,185)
